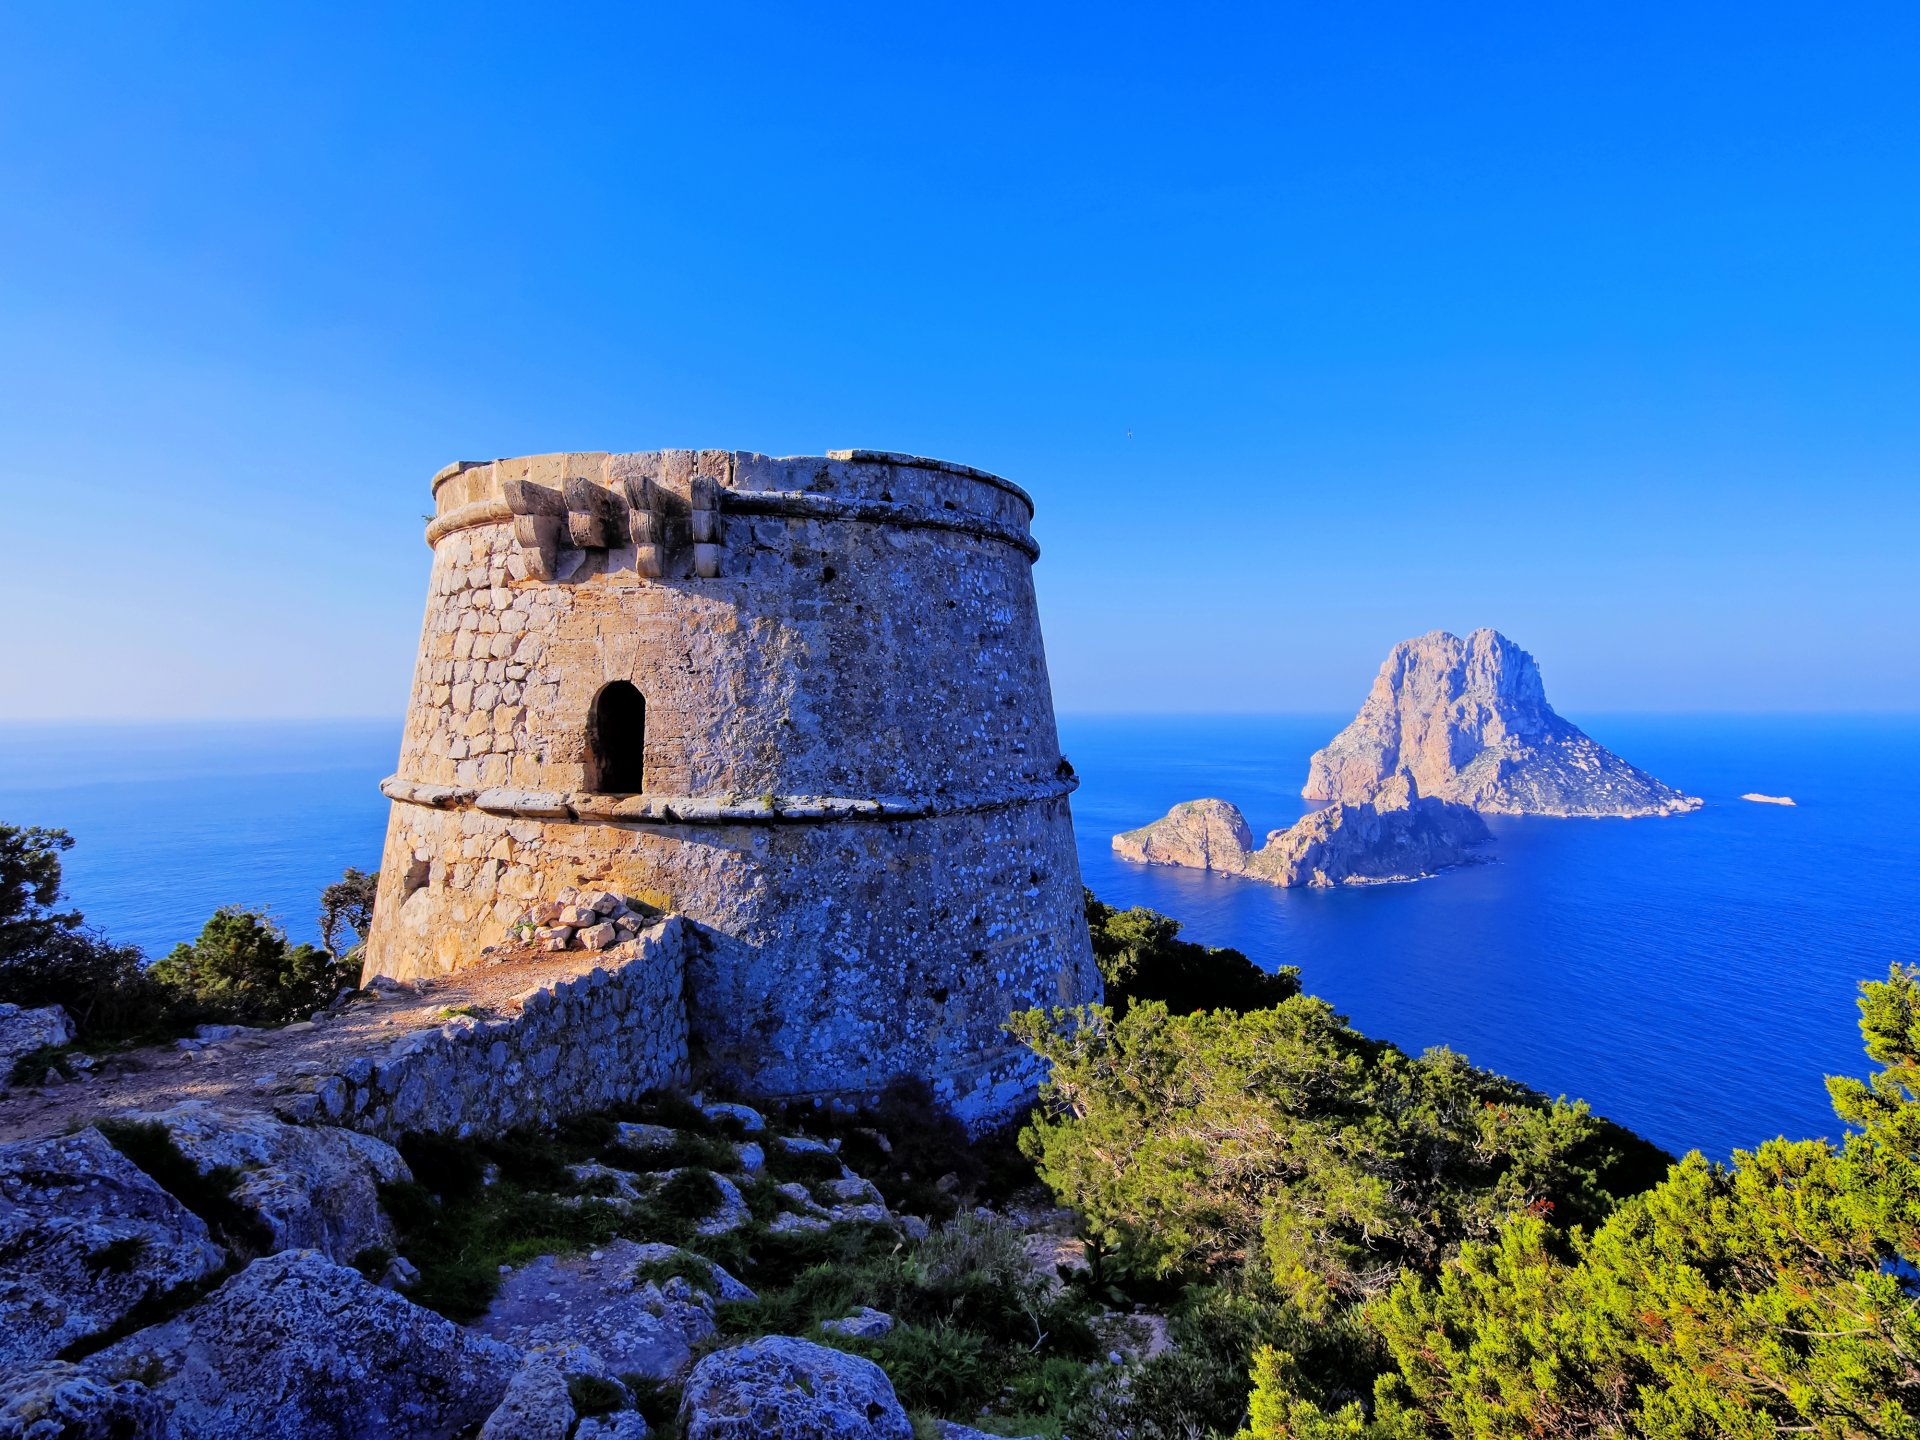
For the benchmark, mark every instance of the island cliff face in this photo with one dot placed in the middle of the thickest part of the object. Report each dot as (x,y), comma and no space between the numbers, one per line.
(1401,837)
(1468,721)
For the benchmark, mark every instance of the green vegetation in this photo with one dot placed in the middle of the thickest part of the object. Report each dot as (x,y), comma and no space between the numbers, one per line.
(210,1195)
(49,957)
(241,968)
(346,907)
(1357,1243)
(1775,1296)
(1141,957)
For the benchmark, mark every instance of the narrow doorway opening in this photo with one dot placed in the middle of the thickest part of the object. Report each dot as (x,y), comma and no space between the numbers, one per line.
(617,740)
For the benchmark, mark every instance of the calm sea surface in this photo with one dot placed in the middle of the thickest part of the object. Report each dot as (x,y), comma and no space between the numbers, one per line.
(1692,977)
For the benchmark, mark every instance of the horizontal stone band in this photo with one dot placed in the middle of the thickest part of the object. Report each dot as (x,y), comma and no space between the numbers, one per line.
(797,504)
(702,810)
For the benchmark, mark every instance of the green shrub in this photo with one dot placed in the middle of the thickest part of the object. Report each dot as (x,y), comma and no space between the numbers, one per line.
(49,957)
(1141,957)
(683,1264)
(593,1396)
(242,967)
(1197,1140)
(940,1368)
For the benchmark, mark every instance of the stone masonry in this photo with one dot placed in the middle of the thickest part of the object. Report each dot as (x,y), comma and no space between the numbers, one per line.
(802,702)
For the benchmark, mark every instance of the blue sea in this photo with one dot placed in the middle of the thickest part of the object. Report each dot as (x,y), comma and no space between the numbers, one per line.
(1691,977)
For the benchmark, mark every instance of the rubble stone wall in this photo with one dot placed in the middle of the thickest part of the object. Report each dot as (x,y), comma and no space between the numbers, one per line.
(585,1043)
(853,781)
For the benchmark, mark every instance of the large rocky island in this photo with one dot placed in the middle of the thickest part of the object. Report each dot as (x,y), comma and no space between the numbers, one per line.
(1396,836)
(1468,721)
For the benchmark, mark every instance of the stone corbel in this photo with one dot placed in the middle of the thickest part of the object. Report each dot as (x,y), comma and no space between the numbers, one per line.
(596,517)
(705,520)
(646,526)
(539,524)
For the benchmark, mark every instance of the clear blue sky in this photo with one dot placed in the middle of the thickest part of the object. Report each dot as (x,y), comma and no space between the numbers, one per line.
(1310,327)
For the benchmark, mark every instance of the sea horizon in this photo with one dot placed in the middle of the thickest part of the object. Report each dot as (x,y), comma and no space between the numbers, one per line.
(1594,959)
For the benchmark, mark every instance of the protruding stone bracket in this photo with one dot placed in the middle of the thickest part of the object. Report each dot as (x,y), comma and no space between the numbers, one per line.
(540,524)
(705,523)
(585,515)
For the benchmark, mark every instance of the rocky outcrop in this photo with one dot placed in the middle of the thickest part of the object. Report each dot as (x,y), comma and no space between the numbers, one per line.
(24,1031)
(540,1403)
(791,1388)
(609,1301)
(1401,837)
(1369,844)
(297,1346)
(1468,721)
(58,1401)
(310,1186)
(86,1236)
(865,1323)
(1197,834)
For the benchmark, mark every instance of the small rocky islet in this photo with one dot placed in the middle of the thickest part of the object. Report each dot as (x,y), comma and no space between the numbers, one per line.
(1452,730)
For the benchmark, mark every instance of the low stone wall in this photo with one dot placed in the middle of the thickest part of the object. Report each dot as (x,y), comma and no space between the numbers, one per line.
(584,1043)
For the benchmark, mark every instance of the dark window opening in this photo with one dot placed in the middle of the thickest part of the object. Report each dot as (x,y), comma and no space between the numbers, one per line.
(617,740)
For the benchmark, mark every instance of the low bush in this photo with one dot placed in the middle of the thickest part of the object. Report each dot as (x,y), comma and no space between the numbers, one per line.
(1142,957)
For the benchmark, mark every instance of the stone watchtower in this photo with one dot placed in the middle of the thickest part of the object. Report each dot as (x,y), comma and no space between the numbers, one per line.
(802,702)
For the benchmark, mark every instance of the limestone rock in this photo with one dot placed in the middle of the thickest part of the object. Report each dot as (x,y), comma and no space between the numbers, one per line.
(24,1031)
(1400,837)
(313,1186)
(950,1430)
(539,1404)
(85,1236)
(1363,844)
(1198,834)
(297,1346)
(644,1139)
(1469,721)
(599,1301)
(792,1388)
(865,1323)
(57,1401)
(749,1119)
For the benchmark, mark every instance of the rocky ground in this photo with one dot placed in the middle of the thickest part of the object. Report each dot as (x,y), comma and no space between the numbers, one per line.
(177,1260)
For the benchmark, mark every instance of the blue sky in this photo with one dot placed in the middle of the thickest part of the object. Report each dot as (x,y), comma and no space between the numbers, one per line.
(1310,328)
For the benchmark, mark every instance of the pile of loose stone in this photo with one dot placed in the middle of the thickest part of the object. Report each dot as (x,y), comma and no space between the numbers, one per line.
(592,919)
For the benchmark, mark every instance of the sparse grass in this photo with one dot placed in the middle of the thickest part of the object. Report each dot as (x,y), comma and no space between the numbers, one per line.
(939,1368)
(658,1402)
(973,1326)
(682,1264)
(593,1396)
(802,1165)
(372,1262)
(210,1196)
(36,1065)
(708,1152)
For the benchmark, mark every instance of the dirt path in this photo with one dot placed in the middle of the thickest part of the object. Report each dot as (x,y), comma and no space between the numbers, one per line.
(250,1069)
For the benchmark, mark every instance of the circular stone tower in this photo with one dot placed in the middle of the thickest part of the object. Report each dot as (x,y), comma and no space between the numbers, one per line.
(802,702)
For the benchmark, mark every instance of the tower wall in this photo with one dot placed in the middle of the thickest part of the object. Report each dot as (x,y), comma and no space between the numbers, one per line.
(852,780)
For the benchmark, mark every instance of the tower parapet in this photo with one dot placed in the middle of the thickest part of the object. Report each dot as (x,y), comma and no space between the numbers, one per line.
(802,701)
